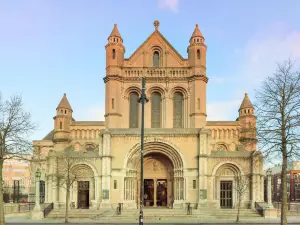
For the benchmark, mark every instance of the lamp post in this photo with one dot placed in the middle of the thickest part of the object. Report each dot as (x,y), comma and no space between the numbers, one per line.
(37,206)
(143,99)
(269,176)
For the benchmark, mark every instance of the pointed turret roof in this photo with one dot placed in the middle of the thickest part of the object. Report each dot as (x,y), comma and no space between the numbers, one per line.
(64,103)
(115,32)
(246,102)
(197,32)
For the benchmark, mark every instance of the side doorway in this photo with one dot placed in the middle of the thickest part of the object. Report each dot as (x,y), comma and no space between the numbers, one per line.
(226,194)
(83,194)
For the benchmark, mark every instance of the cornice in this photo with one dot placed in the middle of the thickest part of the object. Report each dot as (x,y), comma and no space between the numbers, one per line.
(153,131)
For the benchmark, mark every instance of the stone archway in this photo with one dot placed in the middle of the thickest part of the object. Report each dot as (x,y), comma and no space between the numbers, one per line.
(163,170)
(83,191)
(225,176)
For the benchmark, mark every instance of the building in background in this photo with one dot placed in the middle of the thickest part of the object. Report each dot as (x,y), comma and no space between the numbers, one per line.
(293,182)
(16,177)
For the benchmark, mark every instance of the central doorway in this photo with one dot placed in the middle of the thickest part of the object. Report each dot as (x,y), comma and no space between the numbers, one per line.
(226,194)
(158,181)
(83,194)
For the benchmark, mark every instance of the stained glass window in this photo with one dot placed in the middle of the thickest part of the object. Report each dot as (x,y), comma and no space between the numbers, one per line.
(178,110)
(156,59)
(134,109)
(156,110)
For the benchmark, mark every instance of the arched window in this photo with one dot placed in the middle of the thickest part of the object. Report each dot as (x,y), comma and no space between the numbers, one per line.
(156,59)
(156,110)
(134,110)
(198,54)
(113,53)
(60,125)
(178,110)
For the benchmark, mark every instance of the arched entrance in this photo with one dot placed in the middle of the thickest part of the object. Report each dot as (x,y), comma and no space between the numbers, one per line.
(225,176)
(163,176)
(83,190)
(158,180)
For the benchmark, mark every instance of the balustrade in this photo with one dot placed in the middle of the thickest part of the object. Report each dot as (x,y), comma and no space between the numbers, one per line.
(156,72)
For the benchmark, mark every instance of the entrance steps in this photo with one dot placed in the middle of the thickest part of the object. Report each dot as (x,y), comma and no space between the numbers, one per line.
(154,214)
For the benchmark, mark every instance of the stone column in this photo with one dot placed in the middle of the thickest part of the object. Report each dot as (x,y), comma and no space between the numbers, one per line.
(36,213)
(106,170)
(202,170)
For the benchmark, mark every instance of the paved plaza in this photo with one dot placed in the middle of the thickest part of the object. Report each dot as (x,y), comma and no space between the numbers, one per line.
(291,220)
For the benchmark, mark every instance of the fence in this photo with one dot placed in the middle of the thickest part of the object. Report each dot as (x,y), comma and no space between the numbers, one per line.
(22,191)
(292,207)
(18,207)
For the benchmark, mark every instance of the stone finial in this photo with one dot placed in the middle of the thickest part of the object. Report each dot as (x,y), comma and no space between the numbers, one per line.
(156,24)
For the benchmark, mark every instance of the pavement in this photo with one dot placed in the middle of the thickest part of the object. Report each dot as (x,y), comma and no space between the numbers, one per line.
(22,220)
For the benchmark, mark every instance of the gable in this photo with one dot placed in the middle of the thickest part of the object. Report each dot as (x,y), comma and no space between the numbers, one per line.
(156,41)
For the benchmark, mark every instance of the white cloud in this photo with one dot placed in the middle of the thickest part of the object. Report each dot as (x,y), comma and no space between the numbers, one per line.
(169,4)
(95,113)
(255,61)
(262,52)
(225,110)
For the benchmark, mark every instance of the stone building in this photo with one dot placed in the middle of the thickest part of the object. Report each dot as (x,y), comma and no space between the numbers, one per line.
(186,158)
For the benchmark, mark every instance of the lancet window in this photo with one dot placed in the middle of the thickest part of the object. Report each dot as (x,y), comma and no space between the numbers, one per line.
(178,110)
(156,110)
(156,59)
(134,109)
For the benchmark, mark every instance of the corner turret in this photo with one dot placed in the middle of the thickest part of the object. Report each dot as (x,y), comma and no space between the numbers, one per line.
(197,62)
(197,52)
(62,122)
(114,52)
(247,121)
(114,63)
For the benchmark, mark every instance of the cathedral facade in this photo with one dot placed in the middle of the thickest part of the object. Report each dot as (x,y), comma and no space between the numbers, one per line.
(187,159)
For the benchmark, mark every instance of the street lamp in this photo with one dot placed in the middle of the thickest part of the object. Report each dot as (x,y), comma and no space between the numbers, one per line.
(143,99)
(37,189)
(36,213)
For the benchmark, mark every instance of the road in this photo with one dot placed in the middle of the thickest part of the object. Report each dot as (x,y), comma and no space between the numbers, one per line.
(155,223)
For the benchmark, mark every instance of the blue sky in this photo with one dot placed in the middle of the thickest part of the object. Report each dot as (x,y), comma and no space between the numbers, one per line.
(48,48)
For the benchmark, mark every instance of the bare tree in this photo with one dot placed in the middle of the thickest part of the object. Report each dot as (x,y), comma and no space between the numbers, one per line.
(278,120)
(241,187)
(65,174)
(15,126)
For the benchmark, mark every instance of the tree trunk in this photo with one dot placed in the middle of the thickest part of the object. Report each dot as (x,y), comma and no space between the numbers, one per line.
(284,187)
(238,213)
(67,205)
(2,218)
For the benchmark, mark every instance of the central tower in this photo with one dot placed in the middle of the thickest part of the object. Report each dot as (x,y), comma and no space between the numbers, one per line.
(175,86)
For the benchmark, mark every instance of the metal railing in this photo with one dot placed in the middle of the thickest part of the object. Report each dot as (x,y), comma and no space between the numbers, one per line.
(259,209)
(48,209)
(18,207)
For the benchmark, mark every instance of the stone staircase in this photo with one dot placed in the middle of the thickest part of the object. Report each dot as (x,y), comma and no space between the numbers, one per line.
(155,214)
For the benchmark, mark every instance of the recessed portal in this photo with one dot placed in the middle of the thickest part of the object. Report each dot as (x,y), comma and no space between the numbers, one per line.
(83,194)
(226,194)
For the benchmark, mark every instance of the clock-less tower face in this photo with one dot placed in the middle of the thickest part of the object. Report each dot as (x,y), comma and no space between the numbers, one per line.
(175,86)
